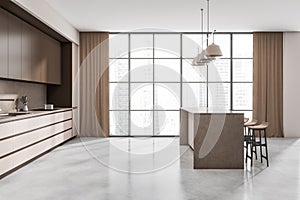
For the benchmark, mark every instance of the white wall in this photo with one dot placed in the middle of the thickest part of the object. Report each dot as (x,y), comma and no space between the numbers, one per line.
(291,84)
(45,13)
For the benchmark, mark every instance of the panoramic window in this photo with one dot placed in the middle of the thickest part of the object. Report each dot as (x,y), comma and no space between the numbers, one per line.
(151,77)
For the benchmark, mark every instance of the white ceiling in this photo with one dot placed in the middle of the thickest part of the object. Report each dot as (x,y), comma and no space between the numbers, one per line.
(180,15)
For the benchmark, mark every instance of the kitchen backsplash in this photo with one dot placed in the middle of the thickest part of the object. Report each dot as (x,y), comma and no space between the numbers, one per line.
(36,93)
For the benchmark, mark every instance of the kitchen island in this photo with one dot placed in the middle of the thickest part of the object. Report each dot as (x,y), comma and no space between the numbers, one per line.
(215,135)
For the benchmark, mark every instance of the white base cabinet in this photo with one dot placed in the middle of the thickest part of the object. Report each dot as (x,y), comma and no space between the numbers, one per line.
(25,139)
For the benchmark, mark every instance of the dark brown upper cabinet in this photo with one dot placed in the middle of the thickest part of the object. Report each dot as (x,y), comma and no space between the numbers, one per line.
(14,47)
(26,53)
(3,44)
(54,64)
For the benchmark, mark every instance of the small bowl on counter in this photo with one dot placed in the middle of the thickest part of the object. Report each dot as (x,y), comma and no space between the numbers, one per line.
(48,106)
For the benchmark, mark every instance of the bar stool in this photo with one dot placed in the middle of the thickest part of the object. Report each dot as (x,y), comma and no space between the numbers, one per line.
(245,121)
(245,129)
(247,136)
(254,143)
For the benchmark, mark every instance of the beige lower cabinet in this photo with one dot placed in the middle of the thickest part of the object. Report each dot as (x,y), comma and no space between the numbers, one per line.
(39,134)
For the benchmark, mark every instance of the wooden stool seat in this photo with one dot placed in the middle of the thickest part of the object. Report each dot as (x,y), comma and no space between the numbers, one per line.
(259,126)
(252,123)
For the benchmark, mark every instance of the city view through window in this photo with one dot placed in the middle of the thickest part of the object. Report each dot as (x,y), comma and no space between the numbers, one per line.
(151,77)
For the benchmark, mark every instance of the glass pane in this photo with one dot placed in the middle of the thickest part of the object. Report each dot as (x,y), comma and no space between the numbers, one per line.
(242,70)
(118,96)
(242,96)
(219,70)
(141,96)
(118,122)
(242,45)
(118,45)
(167,70)
(141,45)
(193,73)
(141,123)
(166,123)
(167,45)
(141,70)
(118,70)
(194,95)
(223,40)
(192,44)
(167,96)
(219,95)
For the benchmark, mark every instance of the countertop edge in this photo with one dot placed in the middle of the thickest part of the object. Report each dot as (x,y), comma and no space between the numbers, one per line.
(209,112)
(33,114)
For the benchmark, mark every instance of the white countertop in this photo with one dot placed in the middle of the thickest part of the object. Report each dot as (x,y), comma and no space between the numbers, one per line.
(32,113)
(205,110)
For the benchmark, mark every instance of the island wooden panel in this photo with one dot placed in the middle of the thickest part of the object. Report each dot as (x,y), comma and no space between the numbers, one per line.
(216,137)
(228,151)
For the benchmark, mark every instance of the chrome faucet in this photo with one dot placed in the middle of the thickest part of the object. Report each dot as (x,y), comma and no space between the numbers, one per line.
(24,100)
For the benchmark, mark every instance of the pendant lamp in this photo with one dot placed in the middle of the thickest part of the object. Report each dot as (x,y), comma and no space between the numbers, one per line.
(201,59)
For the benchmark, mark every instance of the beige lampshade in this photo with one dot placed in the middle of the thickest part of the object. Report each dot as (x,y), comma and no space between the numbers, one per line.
(196,61)
(213,50)
(201,59)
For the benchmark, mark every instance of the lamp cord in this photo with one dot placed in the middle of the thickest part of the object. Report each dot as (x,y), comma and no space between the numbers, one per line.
(207,16)
(202,27)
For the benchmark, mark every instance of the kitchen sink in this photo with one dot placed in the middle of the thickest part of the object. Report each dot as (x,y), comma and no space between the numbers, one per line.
(18,113)
(11,114)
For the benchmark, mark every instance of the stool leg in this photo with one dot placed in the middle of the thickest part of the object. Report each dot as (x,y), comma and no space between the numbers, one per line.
(267,156)
(254,139)
(247,152)
(251,145)
(245,136)
(255,150)
(260,146)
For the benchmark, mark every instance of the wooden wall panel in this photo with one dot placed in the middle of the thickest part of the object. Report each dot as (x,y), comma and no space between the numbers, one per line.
(61,95)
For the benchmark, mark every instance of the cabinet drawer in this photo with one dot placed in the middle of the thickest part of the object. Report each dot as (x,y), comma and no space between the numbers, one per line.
(14,160)
(20,141)
(25,125)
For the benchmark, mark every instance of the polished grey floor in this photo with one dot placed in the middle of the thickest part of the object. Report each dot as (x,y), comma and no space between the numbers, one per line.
(150,168)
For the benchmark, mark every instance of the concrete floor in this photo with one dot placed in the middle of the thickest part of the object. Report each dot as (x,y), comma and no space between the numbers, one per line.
(150,168)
